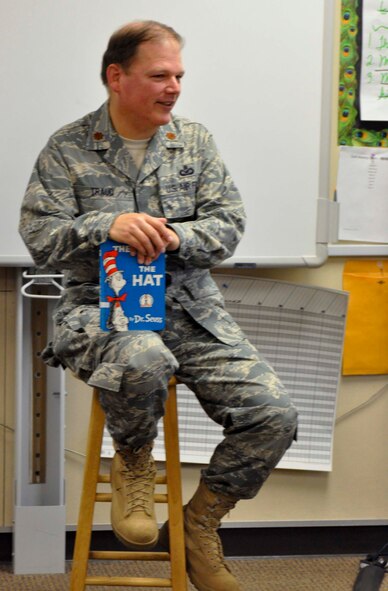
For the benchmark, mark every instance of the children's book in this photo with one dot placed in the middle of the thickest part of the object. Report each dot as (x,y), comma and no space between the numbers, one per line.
(132,296)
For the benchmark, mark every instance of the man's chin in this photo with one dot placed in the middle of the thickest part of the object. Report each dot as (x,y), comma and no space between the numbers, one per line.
(166,119)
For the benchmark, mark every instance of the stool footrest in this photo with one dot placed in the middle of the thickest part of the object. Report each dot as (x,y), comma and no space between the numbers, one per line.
(128,555)
(160,478)
(128,581)
(107,497)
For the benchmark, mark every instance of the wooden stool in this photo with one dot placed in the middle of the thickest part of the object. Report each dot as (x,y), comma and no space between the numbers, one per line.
(173,497)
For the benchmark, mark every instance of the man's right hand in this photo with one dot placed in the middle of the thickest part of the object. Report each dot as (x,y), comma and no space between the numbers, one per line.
(146,235)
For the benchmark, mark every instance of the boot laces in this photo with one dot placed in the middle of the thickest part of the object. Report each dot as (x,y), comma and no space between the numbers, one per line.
(210,539)
(211,544)
(138,474)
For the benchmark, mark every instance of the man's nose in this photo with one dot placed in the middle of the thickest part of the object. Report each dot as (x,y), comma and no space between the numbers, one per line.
(174,84)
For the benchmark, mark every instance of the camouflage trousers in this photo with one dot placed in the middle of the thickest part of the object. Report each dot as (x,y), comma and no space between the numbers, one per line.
(235,386)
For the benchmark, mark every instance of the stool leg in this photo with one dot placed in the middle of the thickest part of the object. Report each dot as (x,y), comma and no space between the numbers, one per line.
(89,488)
(173,473)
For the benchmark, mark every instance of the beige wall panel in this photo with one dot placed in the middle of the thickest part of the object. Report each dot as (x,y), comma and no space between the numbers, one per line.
(7,391)
(2,397)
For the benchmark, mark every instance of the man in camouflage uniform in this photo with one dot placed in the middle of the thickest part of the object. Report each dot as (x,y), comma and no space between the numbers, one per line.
(133,172)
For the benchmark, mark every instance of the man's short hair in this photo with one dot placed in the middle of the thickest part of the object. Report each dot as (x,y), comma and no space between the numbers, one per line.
(124,42)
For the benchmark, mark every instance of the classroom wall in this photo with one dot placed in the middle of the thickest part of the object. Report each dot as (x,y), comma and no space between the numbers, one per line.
(355,490)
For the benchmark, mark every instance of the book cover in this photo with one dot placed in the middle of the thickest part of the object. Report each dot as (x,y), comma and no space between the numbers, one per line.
(132,296)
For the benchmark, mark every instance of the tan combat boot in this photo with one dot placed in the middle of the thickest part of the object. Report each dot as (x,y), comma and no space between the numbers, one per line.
(132,512)
(205,560)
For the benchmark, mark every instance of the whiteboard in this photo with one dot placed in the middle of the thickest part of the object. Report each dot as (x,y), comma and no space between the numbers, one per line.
(258,76)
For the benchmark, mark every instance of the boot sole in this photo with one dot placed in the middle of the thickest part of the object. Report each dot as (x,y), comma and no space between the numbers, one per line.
(133,545)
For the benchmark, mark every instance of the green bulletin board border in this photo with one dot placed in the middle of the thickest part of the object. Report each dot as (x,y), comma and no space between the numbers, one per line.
(352,132)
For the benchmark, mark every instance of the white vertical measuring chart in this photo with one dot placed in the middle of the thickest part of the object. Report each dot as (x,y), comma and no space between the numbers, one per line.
(299,329)
(374,64)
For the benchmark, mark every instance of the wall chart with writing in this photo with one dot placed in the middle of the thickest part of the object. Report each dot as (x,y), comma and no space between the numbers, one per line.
(374,61)
(363,83)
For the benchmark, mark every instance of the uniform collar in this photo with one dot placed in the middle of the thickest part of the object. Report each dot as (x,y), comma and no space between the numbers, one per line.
(166,138)
(102,136)
(102,133)
(169,135)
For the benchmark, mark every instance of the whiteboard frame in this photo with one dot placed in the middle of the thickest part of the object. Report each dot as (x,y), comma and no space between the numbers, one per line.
(361,250)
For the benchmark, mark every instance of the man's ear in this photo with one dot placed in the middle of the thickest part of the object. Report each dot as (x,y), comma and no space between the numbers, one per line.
(113,75)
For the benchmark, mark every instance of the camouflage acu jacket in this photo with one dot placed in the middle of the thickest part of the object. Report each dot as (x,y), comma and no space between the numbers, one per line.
(85,177)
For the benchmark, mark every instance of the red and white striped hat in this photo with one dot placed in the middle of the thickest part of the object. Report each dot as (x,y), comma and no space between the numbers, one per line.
(109,262)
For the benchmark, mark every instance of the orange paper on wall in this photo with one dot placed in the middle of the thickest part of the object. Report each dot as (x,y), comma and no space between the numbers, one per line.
(366,336)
